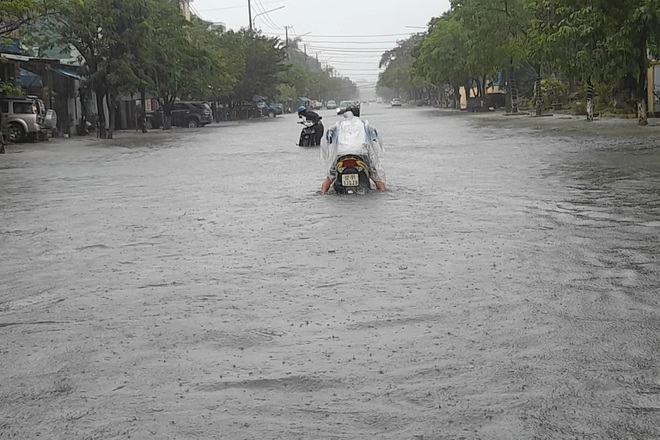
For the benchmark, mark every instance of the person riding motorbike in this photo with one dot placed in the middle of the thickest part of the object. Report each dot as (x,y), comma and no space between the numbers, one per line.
(352,135)
(314,118)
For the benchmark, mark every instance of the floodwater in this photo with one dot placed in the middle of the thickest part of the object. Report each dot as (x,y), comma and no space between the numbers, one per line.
(193,284)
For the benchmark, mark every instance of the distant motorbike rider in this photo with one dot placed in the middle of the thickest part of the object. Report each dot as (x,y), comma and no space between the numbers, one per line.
(352,135)
(314,118)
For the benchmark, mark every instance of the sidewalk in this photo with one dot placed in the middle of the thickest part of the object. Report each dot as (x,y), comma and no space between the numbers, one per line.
(572,125)
(125,138)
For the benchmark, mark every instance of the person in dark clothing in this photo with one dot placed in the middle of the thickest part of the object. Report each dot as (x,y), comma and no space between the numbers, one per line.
(314,118)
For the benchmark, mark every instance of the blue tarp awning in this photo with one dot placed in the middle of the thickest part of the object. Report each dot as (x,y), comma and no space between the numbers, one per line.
(66,72)
(28,79)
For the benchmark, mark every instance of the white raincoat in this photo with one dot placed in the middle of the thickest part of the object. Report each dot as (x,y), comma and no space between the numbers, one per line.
(353,135)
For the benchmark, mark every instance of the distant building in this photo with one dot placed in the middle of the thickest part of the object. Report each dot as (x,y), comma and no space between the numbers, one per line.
(185,8)
(218,26)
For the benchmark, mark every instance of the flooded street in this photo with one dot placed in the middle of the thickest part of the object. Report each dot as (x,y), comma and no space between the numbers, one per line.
(195,285)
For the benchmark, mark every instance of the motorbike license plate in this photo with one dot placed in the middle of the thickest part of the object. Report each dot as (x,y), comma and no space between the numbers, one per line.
(350,180)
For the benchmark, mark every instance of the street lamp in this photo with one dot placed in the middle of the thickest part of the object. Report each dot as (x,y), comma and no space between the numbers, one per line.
(254,19)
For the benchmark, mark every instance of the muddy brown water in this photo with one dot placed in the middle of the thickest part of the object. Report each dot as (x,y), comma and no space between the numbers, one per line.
(194,285)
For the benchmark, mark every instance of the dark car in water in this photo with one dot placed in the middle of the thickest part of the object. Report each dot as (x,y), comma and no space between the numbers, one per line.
(189,114)
(271,109)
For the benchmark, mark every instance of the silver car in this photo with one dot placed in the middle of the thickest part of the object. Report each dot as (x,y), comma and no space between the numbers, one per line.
(26,118)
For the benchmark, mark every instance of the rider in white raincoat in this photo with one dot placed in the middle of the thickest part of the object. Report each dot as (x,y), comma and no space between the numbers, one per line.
(352,135)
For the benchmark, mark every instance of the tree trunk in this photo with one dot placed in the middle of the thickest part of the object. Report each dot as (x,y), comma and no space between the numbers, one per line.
(143,114)
(642,114)
(2,137)
(642,86)
(538,95)
(100,115)
(167,114)
(590,100)
(112,109)
(512,89)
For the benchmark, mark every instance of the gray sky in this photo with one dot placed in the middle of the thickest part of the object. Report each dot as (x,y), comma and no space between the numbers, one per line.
(349,35)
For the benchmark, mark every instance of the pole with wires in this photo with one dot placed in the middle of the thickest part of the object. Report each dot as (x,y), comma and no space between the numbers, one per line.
(250,14)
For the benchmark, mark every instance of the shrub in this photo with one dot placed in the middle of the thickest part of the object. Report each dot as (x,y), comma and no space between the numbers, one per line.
(553,91)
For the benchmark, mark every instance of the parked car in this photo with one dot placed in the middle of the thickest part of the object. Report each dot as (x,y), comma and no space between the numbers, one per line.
(191,114)
(26,118)
(316,105)
(396,102)
(343,105)
(271,110)
(331,105)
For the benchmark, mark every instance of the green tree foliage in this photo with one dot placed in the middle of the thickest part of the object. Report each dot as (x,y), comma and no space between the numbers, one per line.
(571,41)
(441,58)
(399,79)
(138,45)
(109,35)
(18,13)
(609,40)
(264,63)
(309,78)
(143,46)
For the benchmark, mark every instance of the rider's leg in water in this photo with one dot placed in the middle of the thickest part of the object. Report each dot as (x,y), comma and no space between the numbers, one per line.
(379,183)
(319,133)
(325,186)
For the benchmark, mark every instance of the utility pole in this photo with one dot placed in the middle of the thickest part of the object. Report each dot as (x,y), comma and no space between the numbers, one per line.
(305,46)
(250,14)
(286,36)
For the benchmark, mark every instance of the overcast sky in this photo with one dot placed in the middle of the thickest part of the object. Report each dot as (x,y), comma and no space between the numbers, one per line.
(349,35)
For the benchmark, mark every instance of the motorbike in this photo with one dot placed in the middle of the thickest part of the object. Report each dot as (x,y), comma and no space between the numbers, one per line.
(85,127)
(352,175)
(308,134)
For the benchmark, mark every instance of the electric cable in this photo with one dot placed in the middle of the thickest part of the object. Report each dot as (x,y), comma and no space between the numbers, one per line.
(311,36)
(235,7)
(264,13)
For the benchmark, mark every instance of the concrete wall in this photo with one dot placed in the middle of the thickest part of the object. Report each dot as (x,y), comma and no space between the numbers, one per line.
(654,89)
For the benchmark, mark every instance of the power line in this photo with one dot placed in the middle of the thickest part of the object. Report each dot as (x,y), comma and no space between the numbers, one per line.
(348,62)
(348,46)
(235,7)
(265,14)
(266,24)
(353,56)
(348,51)
(352,42)
(351,37)
(358,70)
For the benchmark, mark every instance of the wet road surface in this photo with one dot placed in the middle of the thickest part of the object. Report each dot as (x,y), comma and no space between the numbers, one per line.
(195,285)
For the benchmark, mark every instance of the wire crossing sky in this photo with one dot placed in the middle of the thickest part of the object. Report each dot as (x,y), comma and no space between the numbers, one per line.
(348,35)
